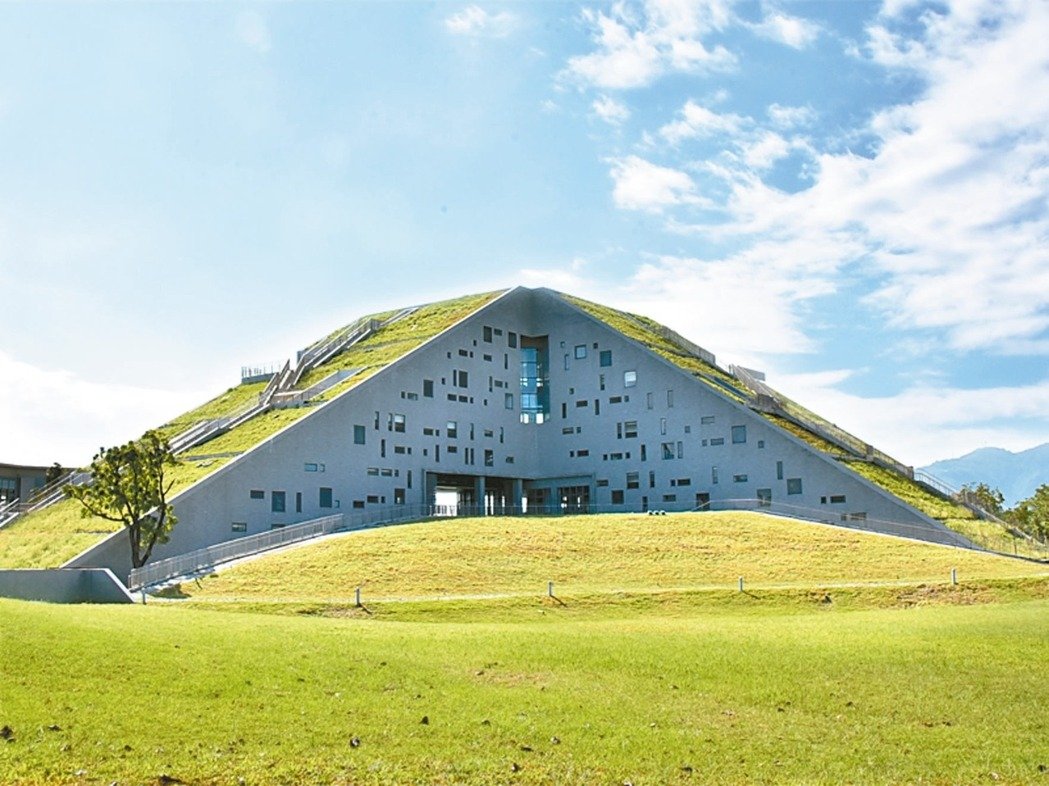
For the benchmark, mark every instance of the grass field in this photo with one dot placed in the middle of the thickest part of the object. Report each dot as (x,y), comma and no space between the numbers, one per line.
(594,554)
(937,694)
(633,673)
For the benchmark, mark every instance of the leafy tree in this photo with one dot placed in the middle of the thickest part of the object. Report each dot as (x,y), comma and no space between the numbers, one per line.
(53,473)
(983,496)
(1032,514)
(128,486)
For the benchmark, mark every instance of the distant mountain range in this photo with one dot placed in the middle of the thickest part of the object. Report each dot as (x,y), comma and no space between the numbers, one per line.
(1016,475)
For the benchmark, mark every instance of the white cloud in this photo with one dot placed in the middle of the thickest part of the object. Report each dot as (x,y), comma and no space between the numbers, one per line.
(610,110)
(953,421)
(632,50)
(475,21)
(642,185)
(252,30)
(790,30)
(697,121)
(78,415)
(790,116)
(951,211)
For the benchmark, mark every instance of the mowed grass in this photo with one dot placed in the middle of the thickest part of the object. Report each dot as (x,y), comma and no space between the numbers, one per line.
(594,554)
(50,537)
(137,694)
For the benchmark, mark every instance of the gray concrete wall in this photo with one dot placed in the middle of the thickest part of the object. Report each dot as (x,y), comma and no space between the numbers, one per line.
(64,585)
(582,438)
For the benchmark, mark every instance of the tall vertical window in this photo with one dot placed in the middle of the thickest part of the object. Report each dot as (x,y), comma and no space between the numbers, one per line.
(534,379)
(277,501)
(629,379)
(606,357)
(670,398)
(451,429)
(739,435)
(428,388)
(779,470)
(325,497)
(580,351)
(358,435)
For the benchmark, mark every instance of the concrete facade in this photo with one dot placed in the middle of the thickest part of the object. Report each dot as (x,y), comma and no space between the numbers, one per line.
(18,481)
(64,585)
(624,430)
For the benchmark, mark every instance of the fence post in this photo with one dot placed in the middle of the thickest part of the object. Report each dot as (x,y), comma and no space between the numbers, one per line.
(357,595)
(550,589)
(740,583)
(954,575)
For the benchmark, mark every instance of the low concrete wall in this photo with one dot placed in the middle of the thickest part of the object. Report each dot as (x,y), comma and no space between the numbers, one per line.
(64,585)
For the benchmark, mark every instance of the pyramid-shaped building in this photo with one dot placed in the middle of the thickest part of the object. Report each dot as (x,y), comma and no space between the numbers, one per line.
(526,400)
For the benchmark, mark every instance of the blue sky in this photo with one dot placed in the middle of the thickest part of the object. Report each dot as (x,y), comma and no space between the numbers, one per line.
(852,196)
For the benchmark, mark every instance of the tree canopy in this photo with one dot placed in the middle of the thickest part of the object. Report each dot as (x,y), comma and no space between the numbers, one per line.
(128,486)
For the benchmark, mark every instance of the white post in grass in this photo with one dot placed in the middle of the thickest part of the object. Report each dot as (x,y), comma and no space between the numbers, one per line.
(357,595)
(740,583)
(550,589)
(954,575)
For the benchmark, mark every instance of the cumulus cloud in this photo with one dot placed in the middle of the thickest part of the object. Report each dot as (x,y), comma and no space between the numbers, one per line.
(642,185)
(476,21)
(697,121)
(611,111)
(634,46)
(790,30)
(790,116)
(952,209)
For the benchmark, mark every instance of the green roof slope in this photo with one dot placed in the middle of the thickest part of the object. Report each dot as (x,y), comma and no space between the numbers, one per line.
(873,465)
(56,534)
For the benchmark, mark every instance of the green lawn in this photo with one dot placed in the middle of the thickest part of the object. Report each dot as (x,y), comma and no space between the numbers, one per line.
(938,694)
(595,554)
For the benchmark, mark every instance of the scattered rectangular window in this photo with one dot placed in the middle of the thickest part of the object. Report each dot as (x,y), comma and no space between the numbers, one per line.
(373,499)
(668,450)
(602,483)
(310,467)
(648,401)
(633,480)
(707,420)
(739,435)
(617,496)
(373,471)
(670,497)
(508,400)
(601,381)
(670,398)
(451,429)
(651,479)
(779,470)
(630,429)
(644,453)
(717,441)
(257,494)
(298,502)
(397,422)
(487,334)
(580,351)
(358,435)
(489,458)
(358,503)
(629,379)
(662,425)
(239,526)
(794,485)
(606,357)
(398,496)
(714,475)
(739,478)
(428,388)
(837,499)
(680,449)
(325,497)
(511,340)
(277,501)
(764,497)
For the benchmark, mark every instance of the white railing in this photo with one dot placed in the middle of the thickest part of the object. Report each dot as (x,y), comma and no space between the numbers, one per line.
(925,532)
(201,559)
(9,511)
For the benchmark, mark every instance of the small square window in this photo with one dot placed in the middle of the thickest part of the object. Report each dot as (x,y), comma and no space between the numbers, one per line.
(277,501)
(606,357)
(580,351)
(794,485)
(629,379)
(739,435)
(617,496)
(257,494)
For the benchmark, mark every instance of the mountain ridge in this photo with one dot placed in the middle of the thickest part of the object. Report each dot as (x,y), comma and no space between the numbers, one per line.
(1016,475)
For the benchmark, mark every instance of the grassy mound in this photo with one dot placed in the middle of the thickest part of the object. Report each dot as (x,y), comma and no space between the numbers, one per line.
(593,554)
